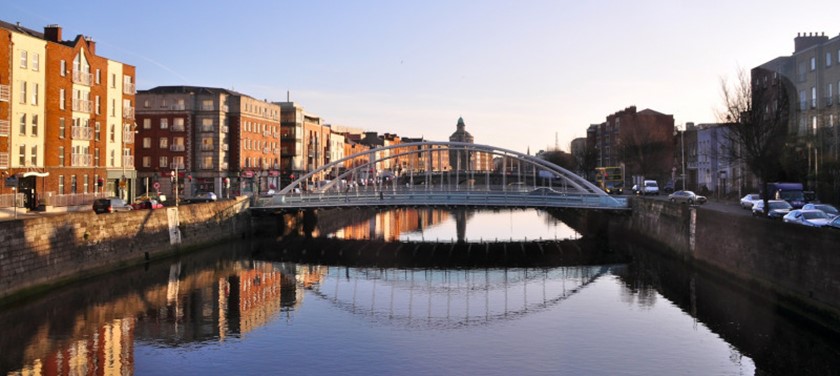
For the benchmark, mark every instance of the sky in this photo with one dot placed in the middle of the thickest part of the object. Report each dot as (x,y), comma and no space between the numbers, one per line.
(524,75)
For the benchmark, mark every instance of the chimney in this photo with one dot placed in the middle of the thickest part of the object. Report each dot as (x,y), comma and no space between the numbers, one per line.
(91,45)
(52,33)
(807,40)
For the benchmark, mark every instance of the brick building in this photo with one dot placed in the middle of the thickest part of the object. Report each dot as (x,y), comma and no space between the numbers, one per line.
(66,118)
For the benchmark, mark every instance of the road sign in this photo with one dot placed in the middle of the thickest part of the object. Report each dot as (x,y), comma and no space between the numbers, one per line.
(156,185)
(11,181)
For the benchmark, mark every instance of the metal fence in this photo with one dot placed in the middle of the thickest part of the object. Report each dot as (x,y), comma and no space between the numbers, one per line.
(8,200)
(76,199)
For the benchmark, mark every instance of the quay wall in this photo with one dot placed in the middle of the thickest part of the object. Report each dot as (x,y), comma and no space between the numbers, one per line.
(37,252)
(798,265)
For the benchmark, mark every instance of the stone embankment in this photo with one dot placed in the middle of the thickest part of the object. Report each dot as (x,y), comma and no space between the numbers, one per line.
(797,265)
(38,252)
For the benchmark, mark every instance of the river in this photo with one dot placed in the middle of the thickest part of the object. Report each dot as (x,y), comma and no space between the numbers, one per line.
(330,305)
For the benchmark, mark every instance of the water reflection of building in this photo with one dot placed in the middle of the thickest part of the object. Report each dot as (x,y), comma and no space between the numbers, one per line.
(391,224)
(108,351)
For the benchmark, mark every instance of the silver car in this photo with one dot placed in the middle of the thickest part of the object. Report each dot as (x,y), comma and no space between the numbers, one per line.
(777,209)
(807,217)
(686,197)
(826,208)
(750,199)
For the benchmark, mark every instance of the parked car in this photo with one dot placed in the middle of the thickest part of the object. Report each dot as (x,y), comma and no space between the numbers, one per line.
(834,223)
(614,188)
(777,209)
(146,204)
(110,205)
(807,217)
(201,196)
(686,197)
(750,199)
(650,188)
(830,210)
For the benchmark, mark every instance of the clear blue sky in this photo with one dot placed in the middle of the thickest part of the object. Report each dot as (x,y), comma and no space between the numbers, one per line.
(519,72)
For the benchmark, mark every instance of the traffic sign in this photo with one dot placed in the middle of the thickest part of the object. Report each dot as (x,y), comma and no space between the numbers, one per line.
(156,185)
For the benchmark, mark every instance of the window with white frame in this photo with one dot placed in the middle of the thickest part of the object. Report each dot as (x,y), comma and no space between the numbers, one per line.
(147,161)
(34,156)
(34,124)
(113,107)
(147,123)
(63,68)
(61,156)
(35,89)
(97,105)
(813,63)
(22,155)
(147,103)
(22,92)
(112,133)
(23,59)
(98,76)
(23,124)
(61,184)
(97,131)
(164,123)
(813,97)
(85,183)
(113,158)
(828,59)
(147,142)
(163,163)
(96,157)
(61,99)
(36,61)
(164,142)
(72,183)
(62,128)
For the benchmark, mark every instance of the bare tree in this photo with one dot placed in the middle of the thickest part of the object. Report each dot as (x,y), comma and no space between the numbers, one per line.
(758,110)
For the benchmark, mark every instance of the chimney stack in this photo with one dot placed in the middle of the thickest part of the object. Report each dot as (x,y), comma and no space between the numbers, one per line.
(807,40)
(52,33)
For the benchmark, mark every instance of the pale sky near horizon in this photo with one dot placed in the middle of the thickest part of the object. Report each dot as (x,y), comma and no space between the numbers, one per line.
(522,74)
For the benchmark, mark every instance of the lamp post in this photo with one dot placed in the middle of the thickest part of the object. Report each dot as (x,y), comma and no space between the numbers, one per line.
(682,153)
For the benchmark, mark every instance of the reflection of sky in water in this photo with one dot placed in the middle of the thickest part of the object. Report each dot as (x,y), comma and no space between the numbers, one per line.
(502,225)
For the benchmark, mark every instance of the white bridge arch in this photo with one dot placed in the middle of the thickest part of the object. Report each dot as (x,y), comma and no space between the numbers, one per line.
(539,183)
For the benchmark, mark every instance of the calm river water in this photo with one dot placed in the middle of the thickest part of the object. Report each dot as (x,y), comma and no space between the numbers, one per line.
(242,308)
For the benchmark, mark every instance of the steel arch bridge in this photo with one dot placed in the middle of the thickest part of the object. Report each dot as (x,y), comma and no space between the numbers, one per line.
(375,178)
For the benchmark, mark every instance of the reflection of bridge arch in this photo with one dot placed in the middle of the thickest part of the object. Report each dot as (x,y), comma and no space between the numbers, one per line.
(426,151)
(451,299)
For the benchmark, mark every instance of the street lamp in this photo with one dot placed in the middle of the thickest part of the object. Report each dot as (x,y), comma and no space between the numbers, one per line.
(682,152)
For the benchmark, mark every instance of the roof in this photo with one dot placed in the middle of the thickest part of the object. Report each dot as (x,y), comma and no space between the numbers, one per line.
(20,29)
(648,111)
(185,89)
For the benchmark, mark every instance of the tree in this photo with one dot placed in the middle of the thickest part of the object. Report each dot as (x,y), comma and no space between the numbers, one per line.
(758,112)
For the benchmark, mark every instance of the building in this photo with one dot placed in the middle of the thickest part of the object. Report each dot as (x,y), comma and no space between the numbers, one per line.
(640,141)
(212,139)
(812,73)
(460,158)
(66,118)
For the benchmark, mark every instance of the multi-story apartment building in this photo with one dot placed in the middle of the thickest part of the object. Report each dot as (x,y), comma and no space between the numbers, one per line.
(641,141)
(305,144)
(812,73)
(218,140)
(67,117)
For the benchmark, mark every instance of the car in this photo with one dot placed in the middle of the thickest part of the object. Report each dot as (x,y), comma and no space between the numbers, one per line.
(777,209)
(146,204)
(110,205)
(650,187)
(750,199)
(687,197)
(202,196)
(807,217)
(614,188)
(830,210)
(543,191)
(834,223)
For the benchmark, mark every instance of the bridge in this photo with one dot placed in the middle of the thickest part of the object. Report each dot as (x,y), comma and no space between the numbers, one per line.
(415,174)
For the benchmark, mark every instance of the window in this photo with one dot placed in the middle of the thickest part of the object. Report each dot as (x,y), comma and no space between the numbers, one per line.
(35,93)
(22,91)
(206,125)
(72,183)
(163,102)
(113,82)
(164,123)
(62,127)
(85,183)
(97,131)
(163,162)
(164,143)
(34,124)
(147,103)
(147,142)
(61,98)
(36,62)
(23,124)
(113,158)
(22,155)
(178,124)
(813,97)
(813,63)
(23,59)
(63,68)
(147,161)
(61,184)
(112,133)
(96,157)
(828,59)
(34,156)
(98,105)
(98,76)
(147,123)
(61,156)
(113,107)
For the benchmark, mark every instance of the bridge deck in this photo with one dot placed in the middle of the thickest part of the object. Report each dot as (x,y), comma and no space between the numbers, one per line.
(440,198)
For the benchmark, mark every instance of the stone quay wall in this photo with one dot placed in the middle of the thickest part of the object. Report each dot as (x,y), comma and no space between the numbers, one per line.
(798,265)
(41,251)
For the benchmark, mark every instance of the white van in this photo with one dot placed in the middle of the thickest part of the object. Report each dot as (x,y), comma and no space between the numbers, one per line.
(650,188)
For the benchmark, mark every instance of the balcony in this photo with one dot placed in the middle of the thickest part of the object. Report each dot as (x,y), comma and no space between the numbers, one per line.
(224,147)
(208,128)
(207,147)
(128,137)
(80,160)
(128,160)
(207,107)
(5,128)
(225,129)
(177,147)
(174,165)
(179,107)
(178,128)
(224,107)
(128,112)
(83,78)
(82,133)
(128,88)
(82,105)
(224,166)
(5,93)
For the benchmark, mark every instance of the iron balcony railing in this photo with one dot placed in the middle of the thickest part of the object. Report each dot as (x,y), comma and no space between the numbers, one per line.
(128,137)
(128,88)
(5,93)
(128,112)
(82,133)
(83,78)
(177,147)
(82,105)
(128,160)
